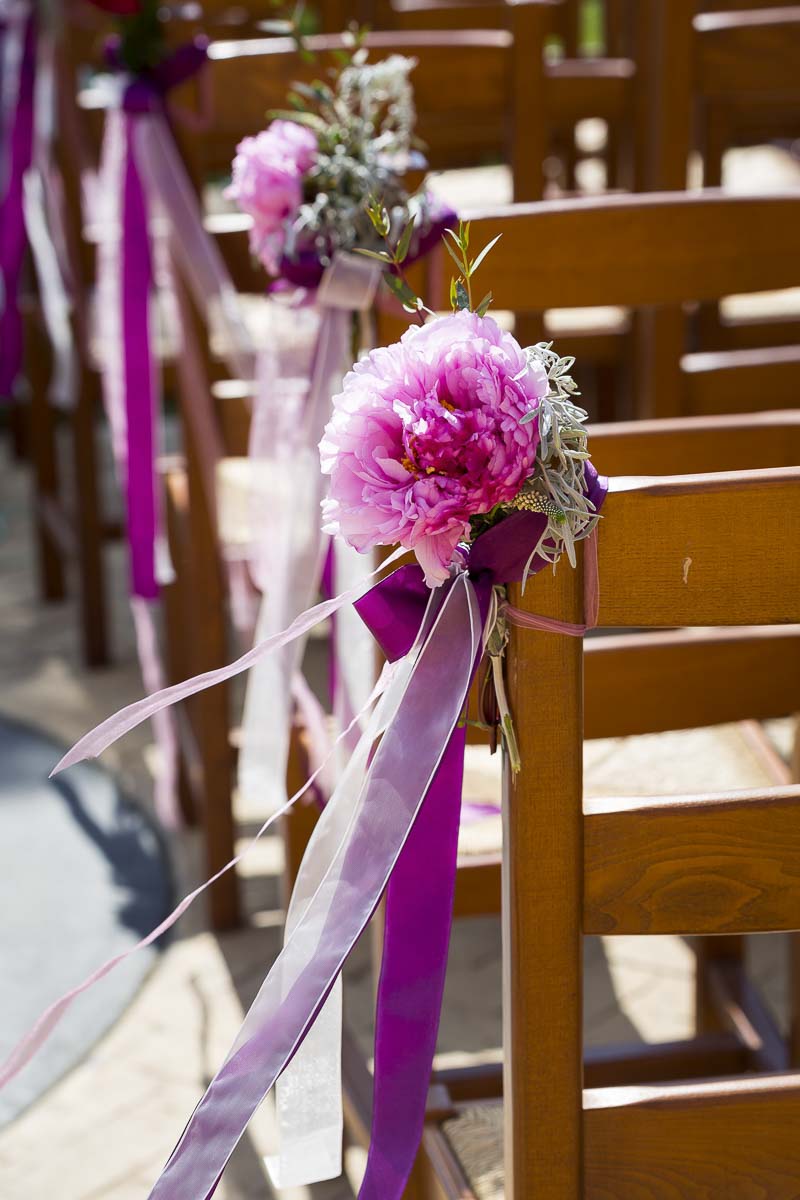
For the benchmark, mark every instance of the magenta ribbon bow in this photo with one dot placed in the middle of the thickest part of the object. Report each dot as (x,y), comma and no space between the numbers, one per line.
(19,153)
(145,94)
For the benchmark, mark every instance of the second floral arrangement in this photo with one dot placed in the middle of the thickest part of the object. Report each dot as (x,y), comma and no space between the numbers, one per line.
(305,179)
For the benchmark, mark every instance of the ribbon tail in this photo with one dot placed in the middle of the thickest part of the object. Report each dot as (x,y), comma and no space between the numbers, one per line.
(418,919)
(199,257)
(136,284)
(108,731)
(287,564)
(301,979)
(27,1047)
(419,910)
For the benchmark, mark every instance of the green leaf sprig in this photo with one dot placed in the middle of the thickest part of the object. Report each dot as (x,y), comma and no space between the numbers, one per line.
(457,245)
(393,257)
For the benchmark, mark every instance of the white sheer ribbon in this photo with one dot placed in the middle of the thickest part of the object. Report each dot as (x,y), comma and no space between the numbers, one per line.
(290,547)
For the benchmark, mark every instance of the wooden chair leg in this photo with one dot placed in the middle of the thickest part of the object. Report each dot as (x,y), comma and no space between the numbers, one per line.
(210,709)
(18,424)
(177,599)
(794,1000)
(44,460)
(710,950)
(91,583)
(542,976)
(298,824)
(794,941)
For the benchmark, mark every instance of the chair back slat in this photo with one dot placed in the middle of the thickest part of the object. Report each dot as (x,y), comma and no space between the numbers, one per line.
(701,550)
(690,445)
(726,382)
(461,85)
(678,679)
(694,1141)
(747,55)
(585,88)
(662,248)
(693,864)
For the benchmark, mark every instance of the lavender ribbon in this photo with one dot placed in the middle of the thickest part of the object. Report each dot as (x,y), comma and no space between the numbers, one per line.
(12,221)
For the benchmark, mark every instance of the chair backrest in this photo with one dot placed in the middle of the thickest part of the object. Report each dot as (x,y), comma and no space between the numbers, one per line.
(659,251)
(731,59)
(482,95)
(672,551)
(681,679)
(460,125)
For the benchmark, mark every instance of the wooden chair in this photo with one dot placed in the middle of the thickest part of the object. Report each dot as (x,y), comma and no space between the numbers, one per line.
(71,526)
(657,251)
(258,72)
(572,80)
(736,86)
(695,865)
(737,79)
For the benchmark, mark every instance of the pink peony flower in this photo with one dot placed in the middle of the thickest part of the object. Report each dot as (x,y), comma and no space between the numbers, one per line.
(268,184)
(426,434)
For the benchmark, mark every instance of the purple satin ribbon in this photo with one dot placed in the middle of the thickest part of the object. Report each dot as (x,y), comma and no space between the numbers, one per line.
(144,94)
(419,898)
(12,220)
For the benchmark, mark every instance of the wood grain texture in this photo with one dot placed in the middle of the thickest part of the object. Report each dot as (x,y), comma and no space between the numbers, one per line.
(683,679)
(693,865)
(729,382)
(692,445)
(636,250)
(747,54)
(461,125)
(542,974)
(698,1142)
(675,551)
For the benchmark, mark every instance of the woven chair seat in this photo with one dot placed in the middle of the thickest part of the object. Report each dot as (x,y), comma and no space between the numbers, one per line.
(476,1138)
(719,758)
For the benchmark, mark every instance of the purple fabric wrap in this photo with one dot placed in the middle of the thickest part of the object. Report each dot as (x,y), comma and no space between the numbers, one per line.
(143,95)
(419,897)
(12,220)
(304,269)
(140,401)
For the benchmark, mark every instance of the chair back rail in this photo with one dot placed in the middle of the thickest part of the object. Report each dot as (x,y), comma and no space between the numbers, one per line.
(682,445)
(748,54)
(637,250)
(461,125)
(682,679)
(723,554)
(693,864)
(726,381)
(693,1141)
